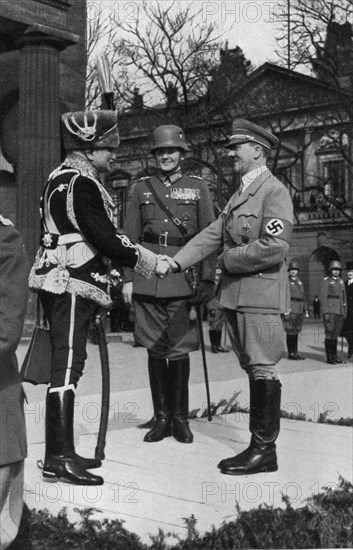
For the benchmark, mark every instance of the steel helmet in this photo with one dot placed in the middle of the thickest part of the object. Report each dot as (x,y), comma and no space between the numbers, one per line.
(293,265)
(335,265)
(169,135)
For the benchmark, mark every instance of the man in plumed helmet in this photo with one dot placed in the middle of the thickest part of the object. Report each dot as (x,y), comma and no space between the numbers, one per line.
(254,231)
(334,309)
(78,251)
(166,210)
(293,320)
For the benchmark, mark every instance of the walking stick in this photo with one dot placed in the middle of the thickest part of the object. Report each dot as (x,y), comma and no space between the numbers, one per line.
(192,278)
(103,352)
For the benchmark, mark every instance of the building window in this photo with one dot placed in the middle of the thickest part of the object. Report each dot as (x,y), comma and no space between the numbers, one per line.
(335,179)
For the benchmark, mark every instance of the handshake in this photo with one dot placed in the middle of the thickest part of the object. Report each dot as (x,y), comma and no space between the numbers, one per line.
(165,265)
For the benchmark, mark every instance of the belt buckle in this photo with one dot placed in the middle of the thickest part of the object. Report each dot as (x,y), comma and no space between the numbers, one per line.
(163,239)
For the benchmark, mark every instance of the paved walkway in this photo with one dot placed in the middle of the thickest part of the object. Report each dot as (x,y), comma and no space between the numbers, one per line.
(152,486)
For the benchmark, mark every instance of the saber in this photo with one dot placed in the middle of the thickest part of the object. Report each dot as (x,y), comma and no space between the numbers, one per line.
(192,272)
(104,357)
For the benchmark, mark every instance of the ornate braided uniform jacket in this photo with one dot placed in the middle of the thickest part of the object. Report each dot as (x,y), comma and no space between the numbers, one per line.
(188,200)
(79,238)
(13,302)
(333,296)
(254,230)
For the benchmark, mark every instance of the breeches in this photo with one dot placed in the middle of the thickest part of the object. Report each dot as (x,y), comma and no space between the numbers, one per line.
(258,341)
(69,316)
(293,323)
(163,326)
(333,325)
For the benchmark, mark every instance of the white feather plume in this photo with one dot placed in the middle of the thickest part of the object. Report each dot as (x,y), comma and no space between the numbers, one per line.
(104,74)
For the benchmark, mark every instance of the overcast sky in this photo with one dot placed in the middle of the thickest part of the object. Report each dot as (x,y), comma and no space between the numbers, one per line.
(250,24)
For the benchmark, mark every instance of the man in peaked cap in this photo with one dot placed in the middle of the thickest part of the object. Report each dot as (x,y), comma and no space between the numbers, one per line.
(254,231)
(166,210)
(293,320)
(334,309)
(79,247)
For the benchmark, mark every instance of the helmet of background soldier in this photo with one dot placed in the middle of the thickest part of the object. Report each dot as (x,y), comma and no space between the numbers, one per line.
(293,265)
(169,135)
(90,130)
(335,264)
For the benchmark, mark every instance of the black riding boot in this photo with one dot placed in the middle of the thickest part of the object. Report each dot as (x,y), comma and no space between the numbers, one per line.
(61,461)
(260,456)
(295,346)
(219,340)
(213,340)
(159,381)
(334,352)
(290,347)
(329,352)
(179,388)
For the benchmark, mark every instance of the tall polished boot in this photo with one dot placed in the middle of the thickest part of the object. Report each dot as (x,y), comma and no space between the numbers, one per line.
(219,340)
(61,461)
(159,382)
(179,388)
(329,352)
(260,456)
(336,359)
(290,347)
(295,346)
(213,340)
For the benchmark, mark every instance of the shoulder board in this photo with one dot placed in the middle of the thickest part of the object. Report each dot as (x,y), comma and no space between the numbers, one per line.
(144,178)
(195,177)
(5,221)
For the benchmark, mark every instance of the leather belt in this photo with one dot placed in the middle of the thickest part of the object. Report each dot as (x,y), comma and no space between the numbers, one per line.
(297,299)
(165,240)
(332,296)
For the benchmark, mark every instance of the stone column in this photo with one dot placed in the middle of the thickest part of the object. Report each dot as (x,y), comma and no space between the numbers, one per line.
(39,128)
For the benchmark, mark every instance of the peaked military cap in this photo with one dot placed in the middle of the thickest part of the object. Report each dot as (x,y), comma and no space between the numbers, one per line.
(244,131)
(90,130)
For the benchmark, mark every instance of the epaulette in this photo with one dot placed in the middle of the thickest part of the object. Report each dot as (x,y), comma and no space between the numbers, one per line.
(5,221)
(144,178)
(196,177)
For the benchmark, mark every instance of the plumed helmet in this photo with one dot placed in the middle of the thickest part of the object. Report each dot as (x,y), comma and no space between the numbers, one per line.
(293,265)
(169,135)
(335,264)
(90,130)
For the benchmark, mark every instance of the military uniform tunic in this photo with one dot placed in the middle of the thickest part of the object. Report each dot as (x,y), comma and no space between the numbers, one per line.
(162,321)
(293,322)
(72,268)
(254,230)
(333,306)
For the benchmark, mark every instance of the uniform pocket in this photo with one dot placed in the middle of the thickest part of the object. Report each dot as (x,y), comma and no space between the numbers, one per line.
(260,291)
(148,210)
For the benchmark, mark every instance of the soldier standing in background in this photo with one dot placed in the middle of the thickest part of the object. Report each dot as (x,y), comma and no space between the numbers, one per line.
(293,321)
(72,273)
(216,318)
(334,309)
(347,331)
(165,212)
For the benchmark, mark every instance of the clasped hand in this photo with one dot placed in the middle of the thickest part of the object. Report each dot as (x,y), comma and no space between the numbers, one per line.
(165,265)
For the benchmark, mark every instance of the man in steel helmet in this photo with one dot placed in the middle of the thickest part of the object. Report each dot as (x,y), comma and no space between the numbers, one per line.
(334,309)
(293,320)
(166,210)
(79,247)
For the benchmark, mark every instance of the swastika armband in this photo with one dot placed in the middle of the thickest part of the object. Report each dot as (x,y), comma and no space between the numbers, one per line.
(276,227)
